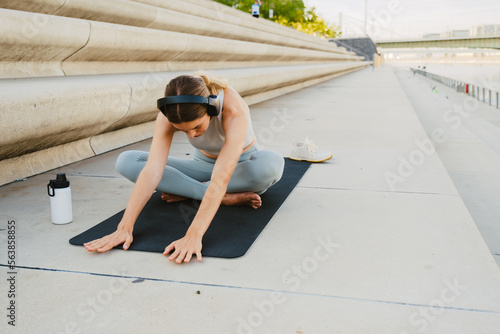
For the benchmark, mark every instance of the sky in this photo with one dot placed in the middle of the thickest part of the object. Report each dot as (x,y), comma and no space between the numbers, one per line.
(401,19)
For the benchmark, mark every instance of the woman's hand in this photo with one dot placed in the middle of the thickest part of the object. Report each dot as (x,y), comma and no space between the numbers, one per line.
(184,249)
(116,238)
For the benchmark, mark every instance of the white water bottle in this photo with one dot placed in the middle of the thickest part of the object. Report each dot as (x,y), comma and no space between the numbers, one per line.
(60,200)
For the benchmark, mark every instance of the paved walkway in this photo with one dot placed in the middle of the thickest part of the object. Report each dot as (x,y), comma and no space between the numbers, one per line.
(469,147)
(377,240)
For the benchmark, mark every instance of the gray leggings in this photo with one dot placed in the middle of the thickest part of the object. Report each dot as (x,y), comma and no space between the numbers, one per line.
(256,171)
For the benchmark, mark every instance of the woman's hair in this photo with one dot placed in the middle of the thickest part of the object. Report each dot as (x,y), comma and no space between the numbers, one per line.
(198,84)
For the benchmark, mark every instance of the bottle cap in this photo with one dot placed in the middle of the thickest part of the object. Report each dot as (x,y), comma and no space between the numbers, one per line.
(60,182)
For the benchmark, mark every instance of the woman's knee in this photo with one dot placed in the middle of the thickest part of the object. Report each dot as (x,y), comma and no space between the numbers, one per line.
(272,163)
(130,163)
(278,167)
(269,168)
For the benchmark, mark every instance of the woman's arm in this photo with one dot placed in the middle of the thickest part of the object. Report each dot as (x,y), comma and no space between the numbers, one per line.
(148,180)
(235,124)
(150,176)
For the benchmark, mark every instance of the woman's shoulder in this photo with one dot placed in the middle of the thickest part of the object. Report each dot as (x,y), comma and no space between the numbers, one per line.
(232,99)
(233,104)
(230,91)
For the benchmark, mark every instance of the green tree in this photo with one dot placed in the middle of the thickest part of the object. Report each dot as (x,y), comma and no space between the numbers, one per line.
(290,13)
(313,24)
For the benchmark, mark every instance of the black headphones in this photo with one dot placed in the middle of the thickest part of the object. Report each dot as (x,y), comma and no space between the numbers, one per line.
(212,102)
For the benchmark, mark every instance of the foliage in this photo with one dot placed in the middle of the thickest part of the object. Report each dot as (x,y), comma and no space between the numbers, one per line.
(290,13)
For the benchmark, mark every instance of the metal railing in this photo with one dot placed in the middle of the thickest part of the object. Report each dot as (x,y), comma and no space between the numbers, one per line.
(351,48)
(486,95)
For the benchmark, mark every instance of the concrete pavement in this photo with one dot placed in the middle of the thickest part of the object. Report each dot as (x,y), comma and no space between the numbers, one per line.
(469,147)
(376,240)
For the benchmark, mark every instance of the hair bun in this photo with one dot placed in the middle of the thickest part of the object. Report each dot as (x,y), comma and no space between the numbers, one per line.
(203,76)
(213,84)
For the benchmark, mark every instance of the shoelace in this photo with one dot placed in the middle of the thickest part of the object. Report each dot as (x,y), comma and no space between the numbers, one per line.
(311,147)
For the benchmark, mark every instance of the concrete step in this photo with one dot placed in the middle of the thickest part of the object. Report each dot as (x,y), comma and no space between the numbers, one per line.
(176,19)
(68,46)
(211,9)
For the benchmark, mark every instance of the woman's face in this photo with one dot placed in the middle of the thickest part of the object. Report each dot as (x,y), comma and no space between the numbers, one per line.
(194,128)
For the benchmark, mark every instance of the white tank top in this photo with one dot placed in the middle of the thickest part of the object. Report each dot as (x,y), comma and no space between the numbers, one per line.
(213,138)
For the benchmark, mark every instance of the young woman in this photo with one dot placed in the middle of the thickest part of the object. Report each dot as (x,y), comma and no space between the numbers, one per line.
(227,167)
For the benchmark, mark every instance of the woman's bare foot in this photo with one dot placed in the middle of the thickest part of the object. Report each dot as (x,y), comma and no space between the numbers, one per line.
(172,198)
(246,198)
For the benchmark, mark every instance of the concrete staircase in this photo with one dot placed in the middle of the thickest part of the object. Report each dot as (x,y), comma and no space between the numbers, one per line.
(79,78)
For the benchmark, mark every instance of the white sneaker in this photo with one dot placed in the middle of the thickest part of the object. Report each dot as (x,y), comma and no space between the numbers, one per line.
(307,151)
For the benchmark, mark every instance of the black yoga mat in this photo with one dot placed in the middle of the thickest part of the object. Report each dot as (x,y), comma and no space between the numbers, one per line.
(230,235)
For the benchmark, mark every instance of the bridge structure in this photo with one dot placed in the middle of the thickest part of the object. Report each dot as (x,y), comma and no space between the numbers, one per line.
(483,42)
